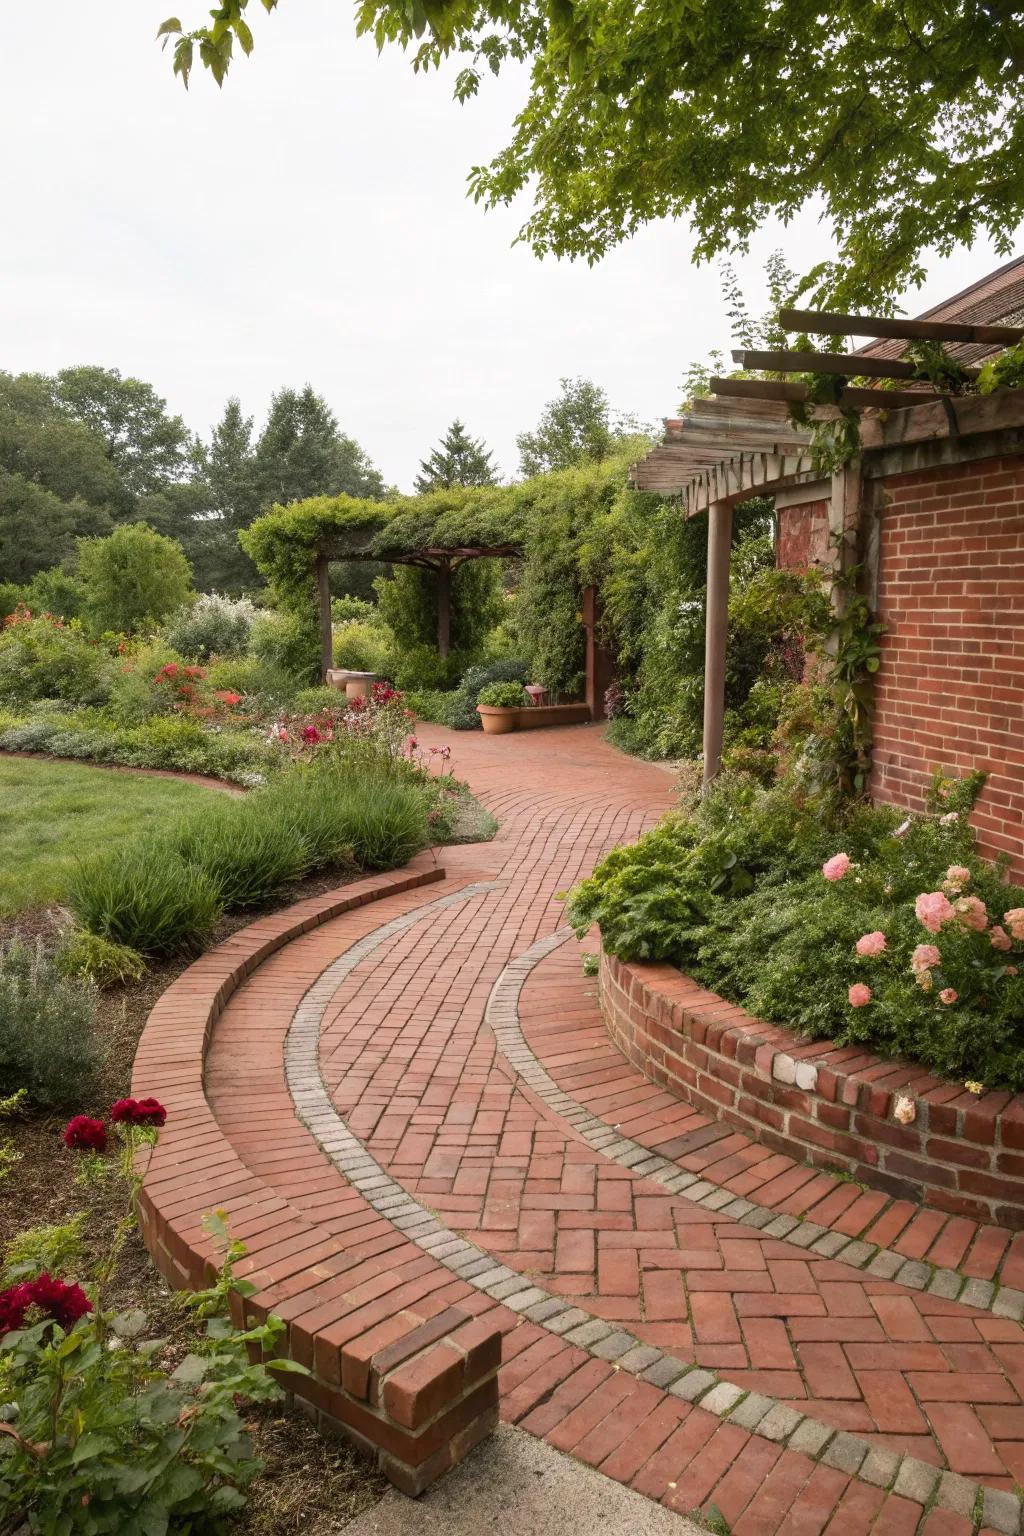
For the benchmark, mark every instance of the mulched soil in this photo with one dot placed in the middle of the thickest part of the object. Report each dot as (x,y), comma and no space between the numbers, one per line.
(310,1485)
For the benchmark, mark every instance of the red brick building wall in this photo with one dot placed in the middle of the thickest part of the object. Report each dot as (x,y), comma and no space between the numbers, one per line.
(951,684)
(802,537)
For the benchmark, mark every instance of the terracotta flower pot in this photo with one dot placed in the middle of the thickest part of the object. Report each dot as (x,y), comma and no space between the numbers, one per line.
(496,720)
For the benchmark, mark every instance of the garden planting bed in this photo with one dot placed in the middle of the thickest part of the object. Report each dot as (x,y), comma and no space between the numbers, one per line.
(831,1106)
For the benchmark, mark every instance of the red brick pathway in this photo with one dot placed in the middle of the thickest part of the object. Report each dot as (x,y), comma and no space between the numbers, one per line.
(414,1072)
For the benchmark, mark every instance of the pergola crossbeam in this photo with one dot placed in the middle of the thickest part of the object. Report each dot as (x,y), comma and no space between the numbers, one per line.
(850,365)
(888,328)
(881,399)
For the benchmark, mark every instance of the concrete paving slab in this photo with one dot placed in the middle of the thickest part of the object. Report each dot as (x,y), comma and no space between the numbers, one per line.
(516,1483)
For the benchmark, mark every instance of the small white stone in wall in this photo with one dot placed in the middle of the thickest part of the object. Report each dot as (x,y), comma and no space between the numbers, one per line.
(784,1068)
(905,1111)
(806,1076)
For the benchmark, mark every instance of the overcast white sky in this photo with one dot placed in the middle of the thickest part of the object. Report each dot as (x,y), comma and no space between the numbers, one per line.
(310,223)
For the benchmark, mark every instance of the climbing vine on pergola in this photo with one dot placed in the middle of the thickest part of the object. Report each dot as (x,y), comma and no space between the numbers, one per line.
(293,546)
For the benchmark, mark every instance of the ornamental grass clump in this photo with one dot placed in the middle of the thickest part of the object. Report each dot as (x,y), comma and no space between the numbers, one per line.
(47,1041)
(146,896)
(247,853)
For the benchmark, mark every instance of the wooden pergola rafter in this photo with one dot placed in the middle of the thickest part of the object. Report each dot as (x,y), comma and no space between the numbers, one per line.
(739,441)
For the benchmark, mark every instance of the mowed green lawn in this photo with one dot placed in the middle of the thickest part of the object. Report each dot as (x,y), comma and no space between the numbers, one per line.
(53,814)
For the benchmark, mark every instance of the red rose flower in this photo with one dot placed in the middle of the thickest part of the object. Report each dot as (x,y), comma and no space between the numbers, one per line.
(85,1134)
(138,1112)
(14,1303)
(64,1303)
(311,734)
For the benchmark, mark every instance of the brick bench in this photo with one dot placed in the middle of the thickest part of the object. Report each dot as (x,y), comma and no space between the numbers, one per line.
(826,1105)
(412,1382)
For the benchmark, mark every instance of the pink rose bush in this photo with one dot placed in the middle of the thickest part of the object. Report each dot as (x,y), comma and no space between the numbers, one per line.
(934,909)
(836,867)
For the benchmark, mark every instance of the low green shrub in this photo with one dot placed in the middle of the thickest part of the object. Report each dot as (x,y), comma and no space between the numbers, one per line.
(42,657)
(93,958)
(49,1250)
(287,642)
(432,704)
(360,647)
(310,701)
(502,695)
(47,1044)
(163,741)
(502,670)
(145,896)
(246,852)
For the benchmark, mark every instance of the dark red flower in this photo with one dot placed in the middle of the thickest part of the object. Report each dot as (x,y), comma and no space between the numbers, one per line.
(311,734)
(138,1112)
(14,1303)
(64,1303)
(85,1134)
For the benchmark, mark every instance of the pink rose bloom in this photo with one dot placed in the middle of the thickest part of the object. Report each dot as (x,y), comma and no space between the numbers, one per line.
(924,957)
(949,818)
(933,909)
(999,938)
(871,943)
(1015,922)
(972,913)
(835,867)
(947,996)
(859,994)
(958,874)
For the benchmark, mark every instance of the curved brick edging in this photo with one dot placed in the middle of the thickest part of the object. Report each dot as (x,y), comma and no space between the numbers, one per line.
(826,1105)
(415,1389)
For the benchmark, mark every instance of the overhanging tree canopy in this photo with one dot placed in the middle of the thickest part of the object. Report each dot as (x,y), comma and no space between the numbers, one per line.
(905,121)
(294,545)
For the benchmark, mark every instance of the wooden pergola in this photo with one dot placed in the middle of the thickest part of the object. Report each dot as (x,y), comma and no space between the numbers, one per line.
(441,561)
(738,442)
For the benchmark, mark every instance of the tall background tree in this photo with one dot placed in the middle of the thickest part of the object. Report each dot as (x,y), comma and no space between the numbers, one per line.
(301,452)
(905,123)
(88,449)
(577,427)
(458,460)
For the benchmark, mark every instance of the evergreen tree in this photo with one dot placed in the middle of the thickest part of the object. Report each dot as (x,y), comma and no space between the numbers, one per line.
(459,460)
(302,453)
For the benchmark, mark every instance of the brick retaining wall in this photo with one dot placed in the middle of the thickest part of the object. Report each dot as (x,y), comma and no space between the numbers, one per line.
(827,1105)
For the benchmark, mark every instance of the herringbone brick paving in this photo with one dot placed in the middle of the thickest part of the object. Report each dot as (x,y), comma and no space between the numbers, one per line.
(414,1072)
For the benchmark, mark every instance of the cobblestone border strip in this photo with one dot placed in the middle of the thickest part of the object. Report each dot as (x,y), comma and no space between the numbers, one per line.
(882,1263)
(759,1414)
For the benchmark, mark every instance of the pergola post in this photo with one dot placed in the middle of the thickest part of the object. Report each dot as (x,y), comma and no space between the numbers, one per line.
(716,628)
(444,607)
(323,589)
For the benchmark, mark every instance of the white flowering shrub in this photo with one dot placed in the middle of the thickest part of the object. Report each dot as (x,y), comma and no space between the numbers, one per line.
(211,626)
